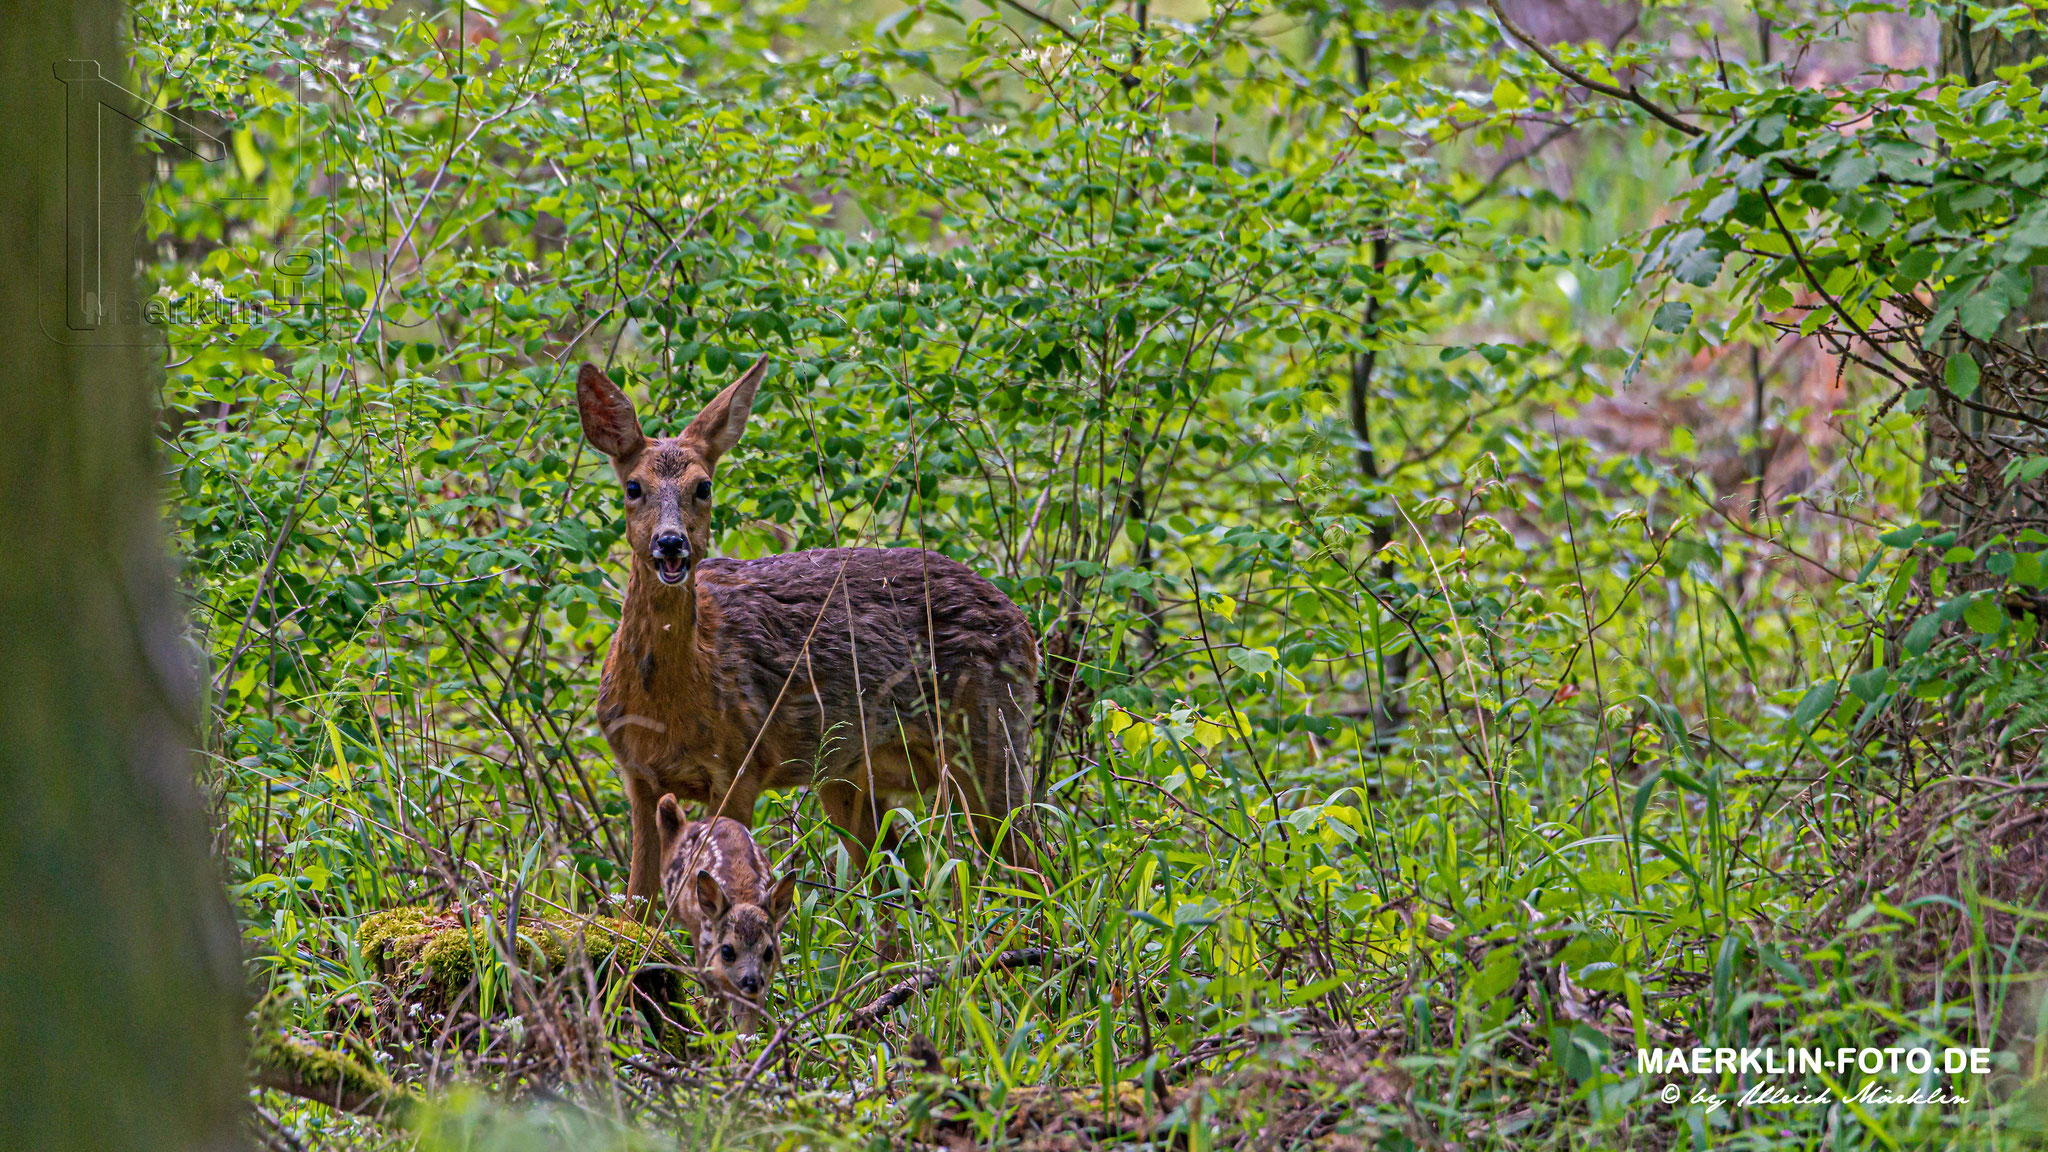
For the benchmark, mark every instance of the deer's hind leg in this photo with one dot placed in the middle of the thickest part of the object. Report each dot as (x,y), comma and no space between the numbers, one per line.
(998,786)
(852,811)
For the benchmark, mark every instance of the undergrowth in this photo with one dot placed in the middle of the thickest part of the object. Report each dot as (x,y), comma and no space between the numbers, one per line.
(1417,751)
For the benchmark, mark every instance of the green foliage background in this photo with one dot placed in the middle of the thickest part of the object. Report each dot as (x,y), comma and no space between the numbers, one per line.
(1473,742)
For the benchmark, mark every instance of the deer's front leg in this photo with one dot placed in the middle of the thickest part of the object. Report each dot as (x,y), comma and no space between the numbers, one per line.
(643,878)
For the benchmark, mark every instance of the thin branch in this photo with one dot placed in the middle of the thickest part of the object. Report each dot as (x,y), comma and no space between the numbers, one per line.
(1629,94)
(925,978)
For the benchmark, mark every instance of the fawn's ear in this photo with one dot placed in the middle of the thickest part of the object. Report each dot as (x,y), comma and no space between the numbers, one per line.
(609,422)
(717,428)
(668,816)
(783,900)
(710,897)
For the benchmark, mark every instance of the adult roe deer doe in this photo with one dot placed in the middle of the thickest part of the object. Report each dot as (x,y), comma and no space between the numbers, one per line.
(852,670)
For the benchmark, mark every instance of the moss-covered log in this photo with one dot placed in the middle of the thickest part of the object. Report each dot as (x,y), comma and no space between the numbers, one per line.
(443,950)
(325,1075)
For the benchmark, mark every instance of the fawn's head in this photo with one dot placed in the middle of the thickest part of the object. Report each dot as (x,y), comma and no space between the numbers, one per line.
(736,941)
(667,481)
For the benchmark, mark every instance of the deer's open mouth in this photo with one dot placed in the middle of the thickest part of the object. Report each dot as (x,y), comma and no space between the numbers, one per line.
(671,569)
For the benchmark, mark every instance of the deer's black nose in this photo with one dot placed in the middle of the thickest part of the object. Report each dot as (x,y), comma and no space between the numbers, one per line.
(671,544)
(751,985)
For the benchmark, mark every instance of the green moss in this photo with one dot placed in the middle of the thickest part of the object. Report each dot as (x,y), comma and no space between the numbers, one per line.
(391,939)
(628,941)
(448,951)
(451,956)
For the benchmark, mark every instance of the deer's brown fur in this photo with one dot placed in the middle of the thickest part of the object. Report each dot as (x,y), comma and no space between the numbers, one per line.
(865,673)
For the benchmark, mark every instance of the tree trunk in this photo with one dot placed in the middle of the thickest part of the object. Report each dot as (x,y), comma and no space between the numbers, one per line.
(1390,706)
(1975,56)
(119,961)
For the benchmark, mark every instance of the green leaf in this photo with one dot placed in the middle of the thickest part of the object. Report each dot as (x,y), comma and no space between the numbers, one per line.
(1982,313)
(1985,616)
(1902,537)
(1850,172)
(1700,266)
(1922,635)
(1253,660)
(1498,975)
(1673,316)
(1814,704)
(1870,685)
(1915,265)
(2028,570)
(1961,374)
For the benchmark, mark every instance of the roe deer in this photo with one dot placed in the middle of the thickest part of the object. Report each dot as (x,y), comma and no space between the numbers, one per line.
(862,672)
(720,887)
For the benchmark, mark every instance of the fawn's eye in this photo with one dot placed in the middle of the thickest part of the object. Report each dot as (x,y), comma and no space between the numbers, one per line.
(768,954)
(703,489)
(727,954)
(632,489)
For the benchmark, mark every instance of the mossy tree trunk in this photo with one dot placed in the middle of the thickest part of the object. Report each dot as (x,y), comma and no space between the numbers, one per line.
(119,962)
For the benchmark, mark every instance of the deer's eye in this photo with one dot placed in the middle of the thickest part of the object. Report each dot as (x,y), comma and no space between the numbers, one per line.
(703,489)
(632,489)
(727,954)
(768,955)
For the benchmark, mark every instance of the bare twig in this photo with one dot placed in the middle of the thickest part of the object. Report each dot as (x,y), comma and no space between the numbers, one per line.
(925,978)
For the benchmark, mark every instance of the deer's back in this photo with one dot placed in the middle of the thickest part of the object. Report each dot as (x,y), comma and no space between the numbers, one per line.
(884,627)
(871,610)
(725,848)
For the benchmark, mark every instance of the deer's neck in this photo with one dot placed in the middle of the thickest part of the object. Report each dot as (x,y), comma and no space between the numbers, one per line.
(658,633)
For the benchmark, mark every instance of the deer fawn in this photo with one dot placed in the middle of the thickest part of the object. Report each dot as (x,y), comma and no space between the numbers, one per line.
(720,887)
(861,672)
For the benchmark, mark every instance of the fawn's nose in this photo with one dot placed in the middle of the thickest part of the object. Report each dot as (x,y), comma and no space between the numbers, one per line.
(671,544)
(751,985)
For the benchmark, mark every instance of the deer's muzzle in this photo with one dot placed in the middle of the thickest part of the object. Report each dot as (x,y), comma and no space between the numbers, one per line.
(671,557)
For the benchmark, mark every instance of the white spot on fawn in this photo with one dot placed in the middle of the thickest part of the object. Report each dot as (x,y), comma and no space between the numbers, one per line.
(642,721)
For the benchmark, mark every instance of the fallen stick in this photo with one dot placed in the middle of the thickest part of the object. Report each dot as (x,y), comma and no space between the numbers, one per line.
(900,993)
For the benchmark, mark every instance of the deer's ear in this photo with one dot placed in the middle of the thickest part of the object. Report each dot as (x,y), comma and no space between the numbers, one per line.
(710,897)
(668,816)
(609,422)
(717,428)
(782,900)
